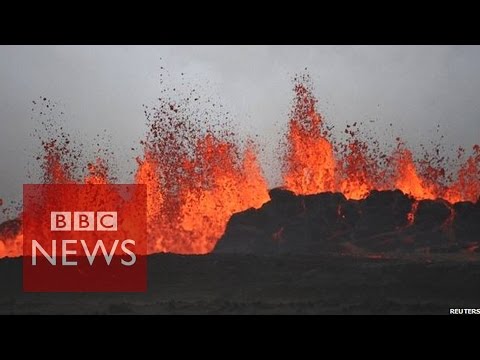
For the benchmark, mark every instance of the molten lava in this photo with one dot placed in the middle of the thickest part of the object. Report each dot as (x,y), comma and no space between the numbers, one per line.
(97,173)
(412,213)
(198,178)
(311,165)
(359,169)
(310,162)
(408,180)
(209,187)
(467,186)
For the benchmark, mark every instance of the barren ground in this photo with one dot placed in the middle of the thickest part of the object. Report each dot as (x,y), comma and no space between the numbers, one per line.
(247,284)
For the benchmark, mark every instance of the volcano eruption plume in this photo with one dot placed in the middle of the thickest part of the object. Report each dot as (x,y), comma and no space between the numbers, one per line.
(198,176)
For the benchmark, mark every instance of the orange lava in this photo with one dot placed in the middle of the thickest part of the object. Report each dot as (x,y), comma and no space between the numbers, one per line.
(196,180)
(467,186)
(190,219)
(409,181)
(358,169)
(311,164)
(97,173)
(412,213)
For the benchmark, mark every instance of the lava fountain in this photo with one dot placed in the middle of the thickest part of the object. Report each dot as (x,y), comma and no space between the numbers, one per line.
(198,176)
(311,165)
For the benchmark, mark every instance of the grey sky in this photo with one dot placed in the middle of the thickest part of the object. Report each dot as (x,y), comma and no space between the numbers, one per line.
(98,87)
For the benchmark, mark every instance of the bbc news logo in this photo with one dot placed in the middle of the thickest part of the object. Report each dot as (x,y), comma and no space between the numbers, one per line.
(84,238)
(83,221)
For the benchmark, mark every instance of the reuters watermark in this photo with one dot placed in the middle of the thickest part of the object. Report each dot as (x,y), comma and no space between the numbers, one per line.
(84,238)
(464,311)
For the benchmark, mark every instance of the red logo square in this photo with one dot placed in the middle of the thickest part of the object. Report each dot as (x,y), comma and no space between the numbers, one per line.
(84,238)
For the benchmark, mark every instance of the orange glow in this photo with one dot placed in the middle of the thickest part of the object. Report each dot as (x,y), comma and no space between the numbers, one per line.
(97,173)
(11,247)
(412,213)
(409,181)
(55,171)
(196,179)
(208,188)
(467,186)
(312,165)
(310,162)
(358,178)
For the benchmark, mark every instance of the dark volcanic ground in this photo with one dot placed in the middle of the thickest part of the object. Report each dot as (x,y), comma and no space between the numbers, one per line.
(385,221)
(281,284)
(316,254)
